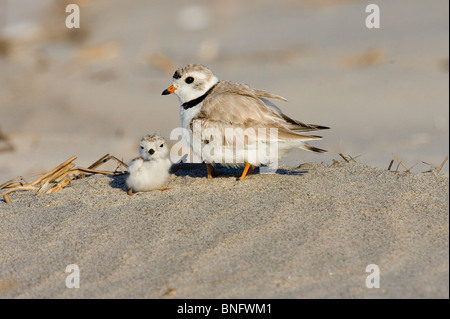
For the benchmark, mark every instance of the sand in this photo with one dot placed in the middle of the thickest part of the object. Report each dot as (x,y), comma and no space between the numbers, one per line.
(308,232)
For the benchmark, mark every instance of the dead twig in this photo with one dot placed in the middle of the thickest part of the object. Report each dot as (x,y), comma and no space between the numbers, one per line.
(350,158)
(106,158)
(53,171)
(63,183)
(119,164)
(58,178)
(100,161)
(345,158)
(336,163)
(44,188)
(19,188)
(11,182)
(436,169)
(433,166)
(7,199)
(400,162)
(412,167)
(353,158)
(61,173)
(81,170)
(390,165)
(442,165)
(103,160)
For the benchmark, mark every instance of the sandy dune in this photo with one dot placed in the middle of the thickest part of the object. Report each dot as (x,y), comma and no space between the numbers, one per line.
(301,233)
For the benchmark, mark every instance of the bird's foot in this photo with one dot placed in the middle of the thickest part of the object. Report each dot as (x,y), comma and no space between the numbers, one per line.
(211,171)
(247,170)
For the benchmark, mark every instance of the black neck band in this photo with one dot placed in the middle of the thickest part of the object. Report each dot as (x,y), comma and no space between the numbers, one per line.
(194,102)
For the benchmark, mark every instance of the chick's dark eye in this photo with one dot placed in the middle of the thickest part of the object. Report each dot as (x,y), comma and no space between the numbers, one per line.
(162,145)
(189,80)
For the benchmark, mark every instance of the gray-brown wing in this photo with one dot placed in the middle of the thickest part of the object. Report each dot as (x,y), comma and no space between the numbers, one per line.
(256,100)
(225,110)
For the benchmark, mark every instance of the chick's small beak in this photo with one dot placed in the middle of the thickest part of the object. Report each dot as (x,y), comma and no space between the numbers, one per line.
(169,90)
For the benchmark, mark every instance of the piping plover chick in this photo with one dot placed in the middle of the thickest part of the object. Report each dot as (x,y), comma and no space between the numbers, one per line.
(237,114)
(150,170)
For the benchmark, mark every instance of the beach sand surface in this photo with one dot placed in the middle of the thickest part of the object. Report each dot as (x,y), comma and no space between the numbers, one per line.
(308,232)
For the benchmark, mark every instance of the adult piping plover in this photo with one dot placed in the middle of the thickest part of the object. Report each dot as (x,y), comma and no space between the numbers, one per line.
(227,107)
(150,170)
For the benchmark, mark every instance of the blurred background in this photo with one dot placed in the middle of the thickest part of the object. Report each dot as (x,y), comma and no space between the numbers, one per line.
(97,89)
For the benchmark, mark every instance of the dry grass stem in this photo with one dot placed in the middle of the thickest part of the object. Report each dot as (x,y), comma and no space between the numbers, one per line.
(53,171)
(59,177)
(19,188)
(81,170)
(400,162)
(433,166)
(353,159)
(7,199)
(442,165)
(11,182)
(103,160)
(436,169)
(390,165)
(63,183)
(345,158)
(100,161)
(44,188)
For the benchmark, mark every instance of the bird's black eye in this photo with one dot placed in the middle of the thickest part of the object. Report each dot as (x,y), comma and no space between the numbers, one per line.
(162,145)
(189,80)
(142,147)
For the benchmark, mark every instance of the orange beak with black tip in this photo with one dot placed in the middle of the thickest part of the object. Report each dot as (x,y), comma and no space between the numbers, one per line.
(169,90)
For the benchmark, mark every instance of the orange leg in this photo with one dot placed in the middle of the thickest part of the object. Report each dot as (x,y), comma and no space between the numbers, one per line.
(247,170)
(211,171)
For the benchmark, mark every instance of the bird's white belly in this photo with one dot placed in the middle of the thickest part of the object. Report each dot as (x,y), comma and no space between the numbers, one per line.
(234,155)
(151,175)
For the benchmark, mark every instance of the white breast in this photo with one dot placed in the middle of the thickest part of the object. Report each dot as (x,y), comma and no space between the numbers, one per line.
(145,176)
(187,115)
